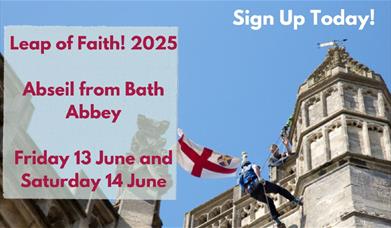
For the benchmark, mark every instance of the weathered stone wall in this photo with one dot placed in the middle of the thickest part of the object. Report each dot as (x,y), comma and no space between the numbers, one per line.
(350,98)
(376,140)
(332,100)
(355,136)
(327,199)
(371,192)
(317,148)
(335,135)
(314,110)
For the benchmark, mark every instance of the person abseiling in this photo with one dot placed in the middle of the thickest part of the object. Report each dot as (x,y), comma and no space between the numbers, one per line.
(251,181)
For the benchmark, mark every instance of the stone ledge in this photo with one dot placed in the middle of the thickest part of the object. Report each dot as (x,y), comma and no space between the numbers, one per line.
(366,215)
(286,179)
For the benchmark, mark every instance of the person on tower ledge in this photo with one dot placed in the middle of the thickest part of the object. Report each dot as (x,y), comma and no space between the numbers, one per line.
(277,159)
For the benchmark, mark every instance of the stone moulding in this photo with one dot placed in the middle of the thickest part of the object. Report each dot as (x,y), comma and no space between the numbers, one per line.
(339,162)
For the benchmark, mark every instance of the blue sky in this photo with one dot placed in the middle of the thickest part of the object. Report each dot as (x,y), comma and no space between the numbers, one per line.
(237,86)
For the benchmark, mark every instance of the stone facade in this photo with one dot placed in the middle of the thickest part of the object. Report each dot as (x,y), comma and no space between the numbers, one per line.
(341,132)
(60,213)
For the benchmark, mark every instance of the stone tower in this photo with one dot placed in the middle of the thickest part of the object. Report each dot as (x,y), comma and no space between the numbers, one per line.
(342,168)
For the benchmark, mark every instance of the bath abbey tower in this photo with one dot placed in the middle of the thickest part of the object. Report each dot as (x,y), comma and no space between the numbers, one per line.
(342,168)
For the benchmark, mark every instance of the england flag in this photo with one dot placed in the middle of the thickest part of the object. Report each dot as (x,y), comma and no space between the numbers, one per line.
(204,162)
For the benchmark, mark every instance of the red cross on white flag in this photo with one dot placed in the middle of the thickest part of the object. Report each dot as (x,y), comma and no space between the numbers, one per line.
(204,162)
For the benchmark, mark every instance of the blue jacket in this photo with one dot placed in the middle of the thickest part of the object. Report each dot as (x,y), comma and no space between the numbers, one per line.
(247,177)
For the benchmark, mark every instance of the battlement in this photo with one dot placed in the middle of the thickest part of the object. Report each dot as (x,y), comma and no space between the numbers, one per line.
(337,61)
